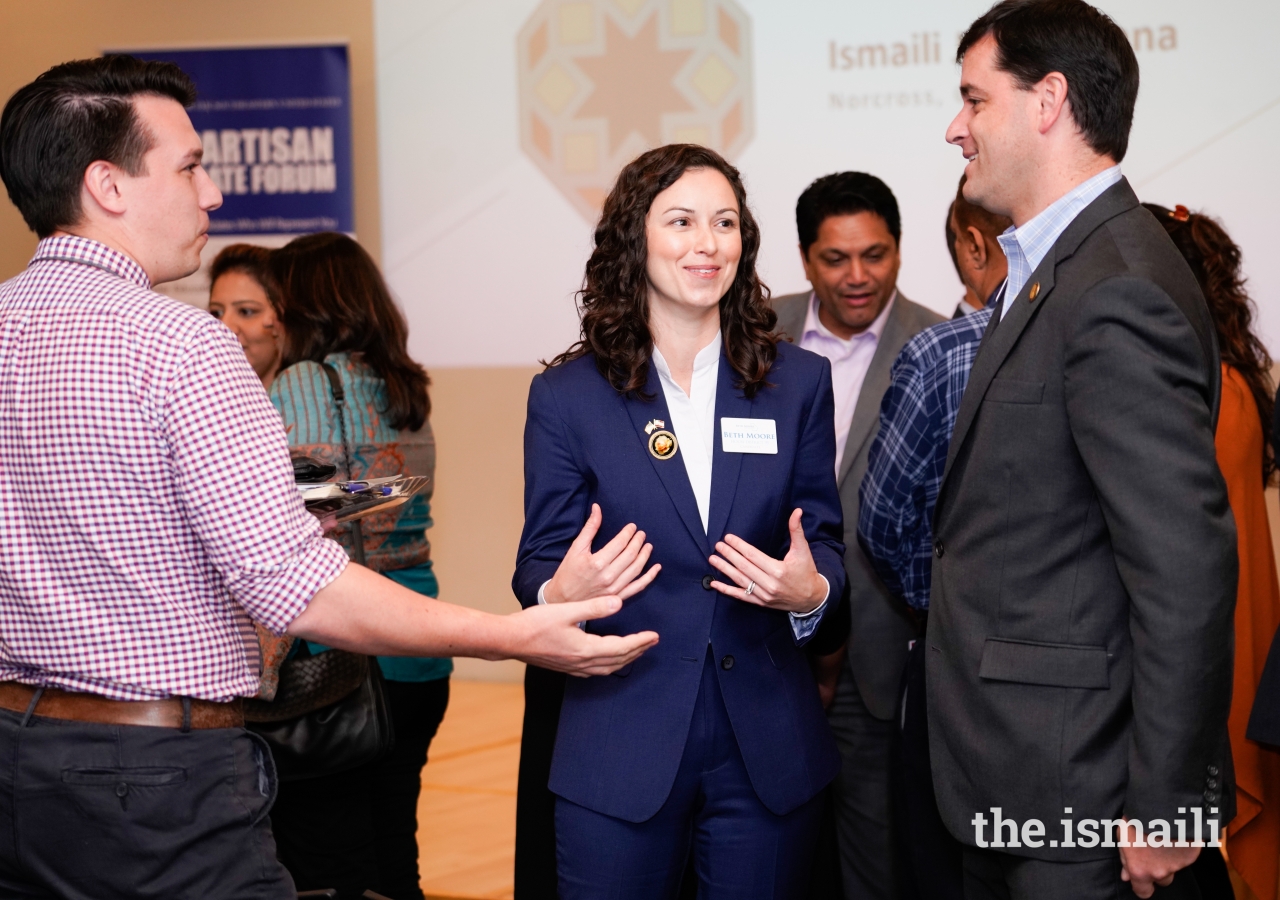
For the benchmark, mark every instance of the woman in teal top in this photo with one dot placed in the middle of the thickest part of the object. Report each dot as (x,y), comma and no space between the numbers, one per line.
(395,542)
(357,830)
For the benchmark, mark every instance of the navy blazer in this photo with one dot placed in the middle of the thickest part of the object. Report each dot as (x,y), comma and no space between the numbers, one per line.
(622,736)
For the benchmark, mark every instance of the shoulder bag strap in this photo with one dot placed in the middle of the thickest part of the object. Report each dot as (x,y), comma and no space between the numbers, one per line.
(339,400)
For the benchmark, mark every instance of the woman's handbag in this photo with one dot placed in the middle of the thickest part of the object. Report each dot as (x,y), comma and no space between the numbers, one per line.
(329,711)
(329,715)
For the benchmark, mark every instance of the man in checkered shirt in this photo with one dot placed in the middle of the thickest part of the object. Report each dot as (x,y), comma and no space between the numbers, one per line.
(148,518)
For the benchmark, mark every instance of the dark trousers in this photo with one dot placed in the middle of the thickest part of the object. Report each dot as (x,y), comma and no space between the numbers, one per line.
(825,883)
(741,850)
(1210,873)
(932,859)
(97,812)
(358,830)
(860,795)
(993,875)
(535,871)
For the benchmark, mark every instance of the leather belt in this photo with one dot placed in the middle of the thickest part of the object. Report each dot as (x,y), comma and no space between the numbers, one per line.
(74,706)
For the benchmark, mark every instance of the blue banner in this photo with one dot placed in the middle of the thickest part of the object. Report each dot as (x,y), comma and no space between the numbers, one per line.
(276,127)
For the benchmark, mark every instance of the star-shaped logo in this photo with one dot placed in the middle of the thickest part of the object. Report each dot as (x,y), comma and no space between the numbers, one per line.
(634,83)
(603,80)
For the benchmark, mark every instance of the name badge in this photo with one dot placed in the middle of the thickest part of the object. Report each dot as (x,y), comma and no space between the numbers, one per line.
(748,435)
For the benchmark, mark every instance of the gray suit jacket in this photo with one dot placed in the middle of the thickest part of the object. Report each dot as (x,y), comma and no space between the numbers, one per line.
(881,626)
(1084,573)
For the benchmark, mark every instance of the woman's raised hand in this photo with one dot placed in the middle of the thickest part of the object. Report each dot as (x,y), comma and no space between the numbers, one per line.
(791,584)
(614,569)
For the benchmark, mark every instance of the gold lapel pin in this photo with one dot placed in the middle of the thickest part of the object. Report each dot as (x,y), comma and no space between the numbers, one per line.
(1035,292)
(662,443)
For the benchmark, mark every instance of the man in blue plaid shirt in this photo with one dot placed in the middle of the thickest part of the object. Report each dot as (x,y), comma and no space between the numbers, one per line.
(904,473)
(910,453)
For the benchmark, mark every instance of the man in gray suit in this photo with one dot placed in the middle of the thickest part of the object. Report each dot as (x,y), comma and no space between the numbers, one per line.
(850,230)
(1079,651)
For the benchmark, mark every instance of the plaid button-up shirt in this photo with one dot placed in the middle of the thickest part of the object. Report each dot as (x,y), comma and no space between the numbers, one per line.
(909,453)
(148,513)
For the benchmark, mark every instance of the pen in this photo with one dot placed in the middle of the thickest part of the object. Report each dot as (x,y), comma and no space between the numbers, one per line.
(360,487)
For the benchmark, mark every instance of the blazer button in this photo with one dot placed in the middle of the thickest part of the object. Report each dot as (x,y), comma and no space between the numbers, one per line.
(706,582)
(1213,770)
(1211,783)
(1210,796)
(726,662)
(938,549)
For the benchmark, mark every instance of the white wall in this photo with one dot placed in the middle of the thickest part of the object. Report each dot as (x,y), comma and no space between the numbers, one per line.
(485,251)
(479,242)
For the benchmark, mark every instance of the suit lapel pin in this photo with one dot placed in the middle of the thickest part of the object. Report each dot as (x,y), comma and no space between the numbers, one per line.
(662,443)
(1035,292)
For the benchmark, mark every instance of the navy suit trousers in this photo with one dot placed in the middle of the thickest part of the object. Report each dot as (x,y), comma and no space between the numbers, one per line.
(740,849)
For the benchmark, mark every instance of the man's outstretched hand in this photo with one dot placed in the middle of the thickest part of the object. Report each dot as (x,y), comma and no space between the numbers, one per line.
(364,612)
(554,640)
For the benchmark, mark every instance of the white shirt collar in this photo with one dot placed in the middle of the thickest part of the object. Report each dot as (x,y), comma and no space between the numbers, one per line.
(707,357)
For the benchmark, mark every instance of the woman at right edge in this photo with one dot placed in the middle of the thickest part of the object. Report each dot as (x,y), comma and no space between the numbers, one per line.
(1247,460)
(678,417)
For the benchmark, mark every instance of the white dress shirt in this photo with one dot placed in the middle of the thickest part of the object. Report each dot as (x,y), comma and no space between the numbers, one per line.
(693,420)
(850,361)
(1026,247)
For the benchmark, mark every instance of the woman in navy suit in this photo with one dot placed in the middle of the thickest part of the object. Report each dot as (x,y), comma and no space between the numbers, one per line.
(679,418)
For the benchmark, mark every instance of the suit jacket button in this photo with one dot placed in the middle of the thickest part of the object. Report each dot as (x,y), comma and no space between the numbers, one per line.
(938,549)
(1210,796)
(1213,770)
(706,582)
(1211,783)
(726,662)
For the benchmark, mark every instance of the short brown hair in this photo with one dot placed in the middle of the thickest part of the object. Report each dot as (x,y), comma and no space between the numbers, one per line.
(71,116)
(1036,37)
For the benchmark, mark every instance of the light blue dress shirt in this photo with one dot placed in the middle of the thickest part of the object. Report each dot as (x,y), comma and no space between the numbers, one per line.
(1026,247)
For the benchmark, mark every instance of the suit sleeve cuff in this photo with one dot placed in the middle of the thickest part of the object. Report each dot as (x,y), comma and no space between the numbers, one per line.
(803,625)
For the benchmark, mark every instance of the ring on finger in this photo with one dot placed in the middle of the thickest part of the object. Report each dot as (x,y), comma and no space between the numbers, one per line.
(751,587)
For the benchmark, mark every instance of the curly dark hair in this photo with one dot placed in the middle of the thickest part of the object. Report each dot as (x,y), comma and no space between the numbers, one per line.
(614,300)
(1215,260)
(334,300)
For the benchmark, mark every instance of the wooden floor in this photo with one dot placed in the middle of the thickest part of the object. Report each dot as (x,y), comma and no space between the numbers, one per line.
(467,814)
